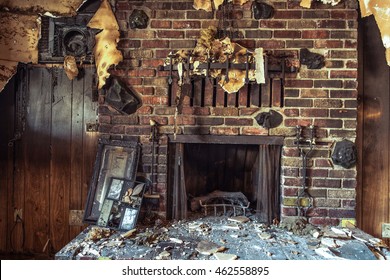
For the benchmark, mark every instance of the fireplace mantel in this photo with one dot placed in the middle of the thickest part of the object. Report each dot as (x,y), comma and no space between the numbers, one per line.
(223,139)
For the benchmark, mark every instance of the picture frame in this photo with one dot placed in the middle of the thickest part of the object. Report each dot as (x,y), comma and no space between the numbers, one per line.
(129,218)
(116,159)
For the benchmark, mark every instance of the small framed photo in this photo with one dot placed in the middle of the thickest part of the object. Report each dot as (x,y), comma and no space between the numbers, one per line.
(115,190)
(129,218)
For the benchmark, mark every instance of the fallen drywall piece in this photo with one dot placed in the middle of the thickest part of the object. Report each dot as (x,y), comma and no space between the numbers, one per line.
(7,70)
(105,51)
(381,11)
(54,7)
(70,67)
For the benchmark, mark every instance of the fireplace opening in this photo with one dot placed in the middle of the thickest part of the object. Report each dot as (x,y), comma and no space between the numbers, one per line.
(224,174)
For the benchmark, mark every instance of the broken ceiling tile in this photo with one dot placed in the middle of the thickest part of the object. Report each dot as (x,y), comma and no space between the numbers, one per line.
(312,60)
(105,51)
(355,250)
(262,10)
(265,235)
(239,219)
(138,19)
(225,257)
(7,70)
(54,7)
(208,248)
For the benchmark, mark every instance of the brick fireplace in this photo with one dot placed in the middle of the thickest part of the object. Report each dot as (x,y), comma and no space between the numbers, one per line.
(325,98)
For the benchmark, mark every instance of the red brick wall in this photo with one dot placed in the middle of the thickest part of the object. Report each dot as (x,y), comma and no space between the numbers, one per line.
(326,98)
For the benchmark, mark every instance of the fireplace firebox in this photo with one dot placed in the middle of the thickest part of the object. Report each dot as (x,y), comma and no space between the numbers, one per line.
(202,165)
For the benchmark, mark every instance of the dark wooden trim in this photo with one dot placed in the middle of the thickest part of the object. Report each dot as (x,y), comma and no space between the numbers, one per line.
(221,139)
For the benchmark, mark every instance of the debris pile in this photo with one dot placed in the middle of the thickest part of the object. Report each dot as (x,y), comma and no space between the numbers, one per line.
(223,237)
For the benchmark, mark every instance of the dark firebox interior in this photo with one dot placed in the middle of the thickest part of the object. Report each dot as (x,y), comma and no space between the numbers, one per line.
(224,167)
(198,169)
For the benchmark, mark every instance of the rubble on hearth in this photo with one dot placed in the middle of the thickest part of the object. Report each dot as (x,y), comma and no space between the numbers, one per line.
(222,237)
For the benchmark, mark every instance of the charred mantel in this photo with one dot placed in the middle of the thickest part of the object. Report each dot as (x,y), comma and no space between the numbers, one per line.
(235,140)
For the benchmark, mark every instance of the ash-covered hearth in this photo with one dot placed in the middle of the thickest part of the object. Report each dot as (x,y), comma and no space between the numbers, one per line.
(223,237)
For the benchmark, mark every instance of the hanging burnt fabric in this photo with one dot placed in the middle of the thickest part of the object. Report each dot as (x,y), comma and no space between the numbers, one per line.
(268,193)
(120,97)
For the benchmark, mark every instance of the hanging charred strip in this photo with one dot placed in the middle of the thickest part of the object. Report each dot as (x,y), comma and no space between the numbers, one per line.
(202,91)
(265,93)
(276,92)
(271,80)
(248,94)
(192,94)
(225,99)
(237,99)
(255,95)
(214,92)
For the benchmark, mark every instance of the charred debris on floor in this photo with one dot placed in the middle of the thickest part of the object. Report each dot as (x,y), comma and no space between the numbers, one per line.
(223,237)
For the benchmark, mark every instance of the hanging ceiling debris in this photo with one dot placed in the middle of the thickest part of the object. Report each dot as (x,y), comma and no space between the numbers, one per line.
(19,36)
(381,11)
(105,51)
(20,26)
(42,7)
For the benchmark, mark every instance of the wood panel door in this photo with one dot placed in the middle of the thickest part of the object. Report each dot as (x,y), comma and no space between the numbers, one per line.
(50,166)
(373,202)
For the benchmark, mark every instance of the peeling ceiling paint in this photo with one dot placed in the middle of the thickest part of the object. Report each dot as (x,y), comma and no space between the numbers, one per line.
(19,36)
(105,51)
(54,7)
(20,27)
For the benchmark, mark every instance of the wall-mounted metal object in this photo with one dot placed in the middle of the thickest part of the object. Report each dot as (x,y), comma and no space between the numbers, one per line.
(120,97)
(269,119)
(312,60)
(68,37)
(262,10)
(92,127)
(345,154)
(138,19)
(305,146)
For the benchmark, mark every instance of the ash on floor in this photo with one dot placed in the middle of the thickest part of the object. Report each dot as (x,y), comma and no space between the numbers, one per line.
(211,238)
